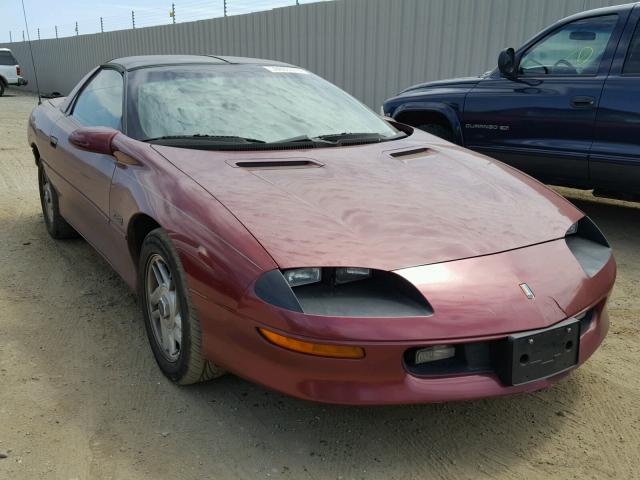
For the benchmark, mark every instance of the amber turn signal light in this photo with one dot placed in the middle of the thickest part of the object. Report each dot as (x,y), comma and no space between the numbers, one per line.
(318,349)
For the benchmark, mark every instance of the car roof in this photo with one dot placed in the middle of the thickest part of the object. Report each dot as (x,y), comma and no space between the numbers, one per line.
(4,50)
(146,61)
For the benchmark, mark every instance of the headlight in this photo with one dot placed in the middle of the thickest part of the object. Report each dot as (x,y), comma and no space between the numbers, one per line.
(573,229)
(342,292)
(302,276)
(351,274)
(296,277)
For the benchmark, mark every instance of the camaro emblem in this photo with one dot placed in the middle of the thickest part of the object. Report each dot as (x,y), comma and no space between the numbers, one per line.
(527,291)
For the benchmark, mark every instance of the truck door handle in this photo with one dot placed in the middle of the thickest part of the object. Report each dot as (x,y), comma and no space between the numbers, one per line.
(583,102)
(53,141)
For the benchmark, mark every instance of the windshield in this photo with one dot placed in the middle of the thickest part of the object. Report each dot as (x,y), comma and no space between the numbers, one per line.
(254,102)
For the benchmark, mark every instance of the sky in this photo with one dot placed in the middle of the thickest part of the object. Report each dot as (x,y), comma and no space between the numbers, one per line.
(116,14)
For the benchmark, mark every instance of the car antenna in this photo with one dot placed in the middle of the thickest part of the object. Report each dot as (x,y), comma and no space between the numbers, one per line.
(35,72)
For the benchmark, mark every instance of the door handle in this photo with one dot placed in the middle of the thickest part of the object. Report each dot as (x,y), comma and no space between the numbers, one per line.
(53,141)
(583,102)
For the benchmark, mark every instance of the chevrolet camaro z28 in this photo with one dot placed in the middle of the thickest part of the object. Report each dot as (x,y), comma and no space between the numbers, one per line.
(276,228)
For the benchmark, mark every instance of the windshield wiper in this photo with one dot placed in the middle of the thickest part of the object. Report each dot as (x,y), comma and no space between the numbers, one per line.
(213,138)
(305,139)
(337,139)
(340,138)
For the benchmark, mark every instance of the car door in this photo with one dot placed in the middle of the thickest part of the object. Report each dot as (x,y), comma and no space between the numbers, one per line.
(614,163)
(84,199)
(542,122)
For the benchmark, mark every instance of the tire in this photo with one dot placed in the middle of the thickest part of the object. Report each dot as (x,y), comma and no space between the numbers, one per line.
(1,88)
(56,225)
(173,329)
(439,131)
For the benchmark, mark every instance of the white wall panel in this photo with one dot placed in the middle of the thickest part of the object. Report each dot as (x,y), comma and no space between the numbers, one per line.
(371,48)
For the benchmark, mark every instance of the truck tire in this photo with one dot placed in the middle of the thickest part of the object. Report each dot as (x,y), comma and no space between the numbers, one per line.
(439,131)
(1,88)
(172,326)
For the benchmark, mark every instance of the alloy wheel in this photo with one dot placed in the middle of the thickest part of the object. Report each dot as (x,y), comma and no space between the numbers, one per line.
(163,307)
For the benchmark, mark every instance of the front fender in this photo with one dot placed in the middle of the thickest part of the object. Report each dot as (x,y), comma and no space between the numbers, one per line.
(434,107)
(220,257)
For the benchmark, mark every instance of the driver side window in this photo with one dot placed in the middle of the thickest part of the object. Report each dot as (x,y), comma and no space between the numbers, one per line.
(100,102)
(575,49)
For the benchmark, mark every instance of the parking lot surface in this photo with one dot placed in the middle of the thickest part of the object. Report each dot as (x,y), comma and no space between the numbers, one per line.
(81,396)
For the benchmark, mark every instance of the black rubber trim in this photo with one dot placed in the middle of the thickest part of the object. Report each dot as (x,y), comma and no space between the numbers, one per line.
(274,289)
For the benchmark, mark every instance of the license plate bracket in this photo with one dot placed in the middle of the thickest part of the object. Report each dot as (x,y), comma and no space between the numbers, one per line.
(539,354)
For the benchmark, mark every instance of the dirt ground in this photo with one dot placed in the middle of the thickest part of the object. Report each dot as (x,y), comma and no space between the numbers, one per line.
(81,397)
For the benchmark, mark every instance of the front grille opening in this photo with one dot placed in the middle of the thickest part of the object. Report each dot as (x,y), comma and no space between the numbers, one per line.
(468,358)
(471,358)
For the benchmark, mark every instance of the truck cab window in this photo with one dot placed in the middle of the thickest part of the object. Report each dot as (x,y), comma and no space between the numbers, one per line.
(632,63)
(574,49)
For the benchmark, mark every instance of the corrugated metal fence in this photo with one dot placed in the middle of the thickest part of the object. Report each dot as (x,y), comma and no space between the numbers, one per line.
(371,48)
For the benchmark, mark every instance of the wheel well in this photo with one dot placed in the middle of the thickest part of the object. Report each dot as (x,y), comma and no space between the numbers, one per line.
(417,118)
(139,228)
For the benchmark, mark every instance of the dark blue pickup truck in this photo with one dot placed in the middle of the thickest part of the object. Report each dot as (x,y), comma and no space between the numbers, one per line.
(565,107)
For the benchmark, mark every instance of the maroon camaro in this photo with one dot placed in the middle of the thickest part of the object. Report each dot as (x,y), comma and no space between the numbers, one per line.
(276,228)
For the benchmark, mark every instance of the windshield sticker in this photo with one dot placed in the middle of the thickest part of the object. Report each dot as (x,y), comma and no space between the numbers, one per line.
(287,70)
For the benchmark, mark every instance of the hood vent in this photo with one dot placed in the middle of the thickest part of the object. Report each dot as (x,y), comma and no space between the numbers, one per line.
(411,154)
(277,163)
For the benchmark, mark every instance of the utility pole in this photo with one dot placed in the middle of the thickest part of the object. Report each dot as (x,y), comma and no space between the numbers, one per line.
(23,36)
(77,32)
(38,33)
(101,25)
(10,37)
(133,19)
(173,12)
(225,7)
(56,32)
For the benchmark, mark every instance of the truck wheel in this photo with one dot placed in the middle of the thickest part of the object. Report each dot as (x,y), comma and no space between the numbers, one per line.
(172,326)
(439,131)
(1,88)
(56,225)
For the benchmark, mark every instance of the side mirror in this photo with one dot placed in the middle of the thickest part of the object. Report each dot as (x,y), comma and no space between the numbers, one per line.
(94,139)
(507,64)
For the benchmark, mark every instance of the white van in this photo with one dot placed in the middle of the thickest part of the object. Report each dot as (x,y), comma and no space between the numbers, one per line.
(9,70)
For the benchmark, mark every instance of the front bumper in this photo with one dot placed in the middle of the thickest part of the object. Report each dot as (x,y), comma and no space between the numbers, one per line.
(381,378)
(474,300)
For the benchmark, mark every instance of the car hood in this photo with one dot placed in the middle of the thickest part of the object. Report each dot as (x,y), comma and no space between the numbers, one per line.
(387,206)
(468,82)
